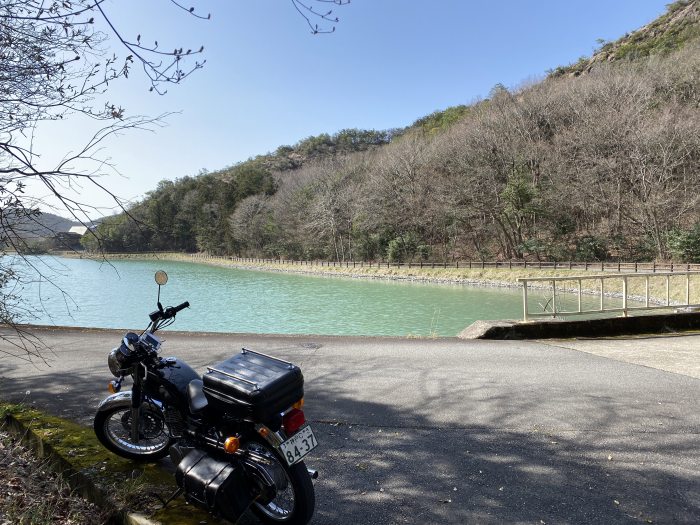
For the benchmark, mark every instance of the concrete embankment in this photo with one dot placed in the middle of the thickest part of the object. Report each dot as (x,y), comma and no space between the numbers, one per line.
(563,329)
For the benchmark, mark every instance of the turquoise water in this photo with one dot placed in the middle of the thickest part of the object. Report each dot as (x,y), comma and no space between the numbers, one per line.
(120,294)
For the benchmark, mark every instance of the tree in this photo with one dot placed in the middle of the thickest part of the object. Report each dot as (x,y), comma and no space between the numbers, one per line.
(685,244)
(56,63)
(309,13)
(250,223)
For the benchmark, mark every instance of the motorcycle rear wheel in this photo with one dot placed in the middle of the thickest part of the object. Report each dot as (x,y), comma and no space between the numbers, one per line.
(295,500)
(113,429)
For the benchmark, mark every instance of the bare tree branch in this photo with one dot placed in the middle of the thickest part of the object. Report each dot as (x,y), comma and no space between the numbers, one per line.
(308,13)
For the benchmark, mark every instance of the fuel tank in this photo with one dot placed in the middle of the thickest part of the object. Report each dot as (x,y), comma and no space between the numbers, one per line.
(172,379)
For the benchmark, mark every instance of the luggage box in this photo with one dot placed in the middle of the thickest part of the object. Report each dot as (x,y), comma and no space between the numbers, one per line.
(253,386)
(217,486)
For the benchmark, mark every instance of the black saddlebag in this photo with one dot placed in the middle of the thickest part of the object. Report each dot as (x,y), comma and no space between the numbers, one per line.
(220,487)
(253,386)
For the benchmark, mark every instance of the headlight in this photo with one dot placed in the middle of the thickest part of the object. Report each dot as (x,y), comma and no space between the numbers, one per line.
(116,361)
(113,363)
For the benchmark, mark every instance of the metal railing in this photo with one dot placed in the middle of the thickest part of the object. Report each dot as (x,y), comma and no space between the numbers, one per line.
(630,301)
(609,266)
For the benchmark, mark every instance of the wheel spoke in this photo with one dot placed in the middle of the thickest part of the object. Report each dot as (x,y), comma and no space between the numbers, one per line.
(282,506)
(153,434)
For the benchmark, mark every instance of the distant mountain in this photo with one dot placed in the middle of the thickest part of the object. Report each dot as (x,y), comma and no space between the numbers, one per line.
(42,226)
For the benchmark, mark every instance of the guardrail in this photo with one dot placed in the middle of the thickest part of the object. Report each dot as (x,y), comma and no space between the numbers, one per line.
(628,294)
(540,265)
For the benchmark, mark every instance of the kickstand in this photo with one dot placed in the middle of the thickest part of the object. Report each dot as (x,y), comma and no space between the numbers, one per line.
(166,501)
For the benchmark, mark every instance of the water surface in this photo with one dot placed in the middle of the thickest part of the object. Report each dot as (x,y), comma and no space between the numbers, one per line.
(120,294)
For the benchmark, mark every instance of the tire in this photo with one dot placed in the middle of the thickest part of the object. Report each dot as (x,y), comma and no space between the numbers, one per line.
(294,505)
(113,429)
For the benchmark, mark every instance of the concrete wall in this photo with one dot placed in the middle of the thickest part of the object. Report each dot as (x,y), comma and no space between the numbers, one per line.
(563,329)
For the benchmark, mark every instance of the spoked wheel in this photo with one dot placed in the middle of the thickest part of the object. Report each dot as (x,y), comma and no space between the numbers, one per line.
(113,429)
(294,500)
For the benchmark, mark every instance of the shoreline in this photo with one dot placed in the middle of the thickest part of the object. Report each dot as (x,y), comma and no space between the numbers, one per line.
(449,276)
(475,277)
(4,329)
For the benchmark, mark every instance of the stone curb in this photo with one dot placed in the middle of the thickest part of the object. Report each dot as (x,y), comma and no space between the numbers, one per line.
(591,328)
(75,479)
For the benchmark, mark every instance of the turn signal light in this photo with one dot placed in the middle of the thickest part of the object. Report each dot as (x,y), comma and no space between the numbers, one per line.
(293,420)
(232,444)
(113,387)
(299,404)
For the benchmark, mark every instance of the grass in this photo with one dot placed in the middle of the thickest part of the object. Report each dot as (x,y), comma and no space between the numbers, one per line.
(32,494)
(126,484)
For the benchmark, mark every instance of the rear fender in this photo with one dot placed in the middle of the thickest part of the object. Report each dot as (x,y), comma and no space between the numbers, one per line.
(272,437)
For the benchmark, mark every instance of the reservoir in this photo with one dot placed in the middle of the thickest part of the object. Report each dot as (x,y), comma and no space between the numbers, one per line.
(121,294)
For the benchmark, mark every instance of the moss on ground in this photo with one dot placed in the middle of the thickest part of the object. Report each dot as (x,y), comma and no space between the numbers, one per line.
(128,485)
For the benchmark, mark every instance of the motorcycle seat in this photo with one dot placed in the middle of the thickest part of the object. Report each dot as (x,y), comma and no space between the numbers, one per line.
(195,396)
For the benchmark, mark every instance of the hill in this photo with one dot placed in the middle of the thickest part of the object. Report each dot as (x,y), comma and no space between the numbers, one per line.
(668,33)
(598,161)
(41,225)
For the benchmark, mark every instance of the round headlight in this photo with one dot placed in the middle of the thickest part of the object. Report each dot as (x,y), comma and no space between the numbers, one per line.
(113,362)
(118,360)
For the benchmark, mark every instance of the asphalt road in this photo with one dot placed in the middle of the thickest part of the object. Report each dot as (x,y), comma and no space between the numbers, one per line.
(450,431)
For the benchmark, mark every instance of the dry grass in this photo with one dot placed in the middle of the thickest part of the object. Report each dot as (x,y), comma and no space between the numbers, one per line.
(32,494)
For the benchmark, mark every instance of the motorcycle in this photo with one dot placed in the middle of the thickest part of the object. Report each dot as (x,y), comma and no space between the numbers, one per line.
(237,435)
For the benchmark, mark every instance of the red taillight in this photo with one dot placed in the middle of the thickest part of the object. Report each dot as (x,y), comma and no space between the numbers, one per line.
(293,420)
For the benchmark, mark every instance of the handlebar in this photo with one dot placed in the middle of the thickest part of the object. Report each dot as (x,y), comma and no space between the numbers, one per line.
(168,313)
(182,306)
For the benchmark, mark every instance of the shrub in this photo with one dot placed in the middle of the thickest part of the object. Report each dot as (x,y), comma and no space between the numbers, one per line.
(684,245)
(591,248)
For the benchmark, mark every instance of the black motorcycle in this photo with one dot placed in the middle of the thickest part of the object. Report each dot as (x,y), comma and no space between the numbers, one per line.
(237,434)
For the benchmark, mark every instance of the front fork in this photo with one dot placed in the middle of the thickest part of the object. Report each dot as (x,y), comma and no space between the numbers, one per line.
(136,400)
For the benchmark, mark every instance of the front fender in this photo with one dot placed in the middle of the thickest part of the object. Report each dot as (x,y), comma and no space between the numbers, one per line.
(120,399)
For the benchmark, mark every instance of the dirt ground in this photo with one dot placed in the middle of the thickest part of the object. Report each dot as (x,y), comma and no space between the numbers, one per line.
(30,494)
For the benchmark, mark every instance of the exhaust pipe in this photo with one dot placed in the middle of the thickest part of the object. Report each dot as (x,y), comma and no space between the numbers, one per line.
(313,473)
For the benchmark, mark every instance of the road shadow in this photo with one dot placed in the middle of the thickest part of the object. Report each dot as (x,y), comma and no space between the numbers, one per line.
(381,464)
(418,471)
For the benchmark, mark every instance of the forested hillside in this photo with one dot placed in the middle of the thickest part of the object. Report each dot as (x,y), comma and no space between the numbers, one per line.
(600,160)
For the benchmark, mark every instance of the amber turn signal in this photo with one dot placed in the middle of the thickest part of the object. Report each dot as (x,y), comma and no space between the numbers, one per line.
(264,431)
(112,388)
(299,404)
(232,444)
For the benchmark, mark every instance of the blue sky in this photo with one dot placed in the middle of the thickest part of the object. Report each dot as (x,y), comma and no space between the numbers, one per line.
(269,82)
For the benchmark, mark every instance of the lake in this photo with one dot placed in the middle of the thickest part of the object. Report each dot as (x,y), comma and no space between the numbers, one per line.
(120,294)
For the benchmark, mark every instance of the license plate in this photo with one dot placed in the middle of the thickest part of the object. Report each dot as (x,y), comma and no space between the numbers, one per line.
(299,445)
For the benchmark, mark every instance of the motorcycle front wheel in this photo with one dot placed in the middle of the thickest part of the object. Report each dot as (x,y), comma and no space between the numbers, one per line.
(294,500)
(113,429)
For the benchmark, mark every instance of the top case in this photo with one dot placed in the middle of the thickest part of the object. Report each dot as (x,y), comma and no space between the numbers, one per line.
(253,385)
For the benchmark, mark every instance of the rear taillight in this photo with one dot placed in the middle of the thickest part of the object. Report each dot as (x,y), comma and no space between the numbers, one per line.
(293,421)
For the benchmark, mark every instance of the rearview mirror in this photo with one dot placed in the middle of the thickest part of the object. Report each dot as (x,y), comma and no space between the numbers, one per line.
(161,277)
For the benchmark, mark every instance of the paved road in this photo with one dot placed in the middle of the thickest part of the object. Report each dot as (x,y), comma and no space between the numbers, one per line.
(451,431)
